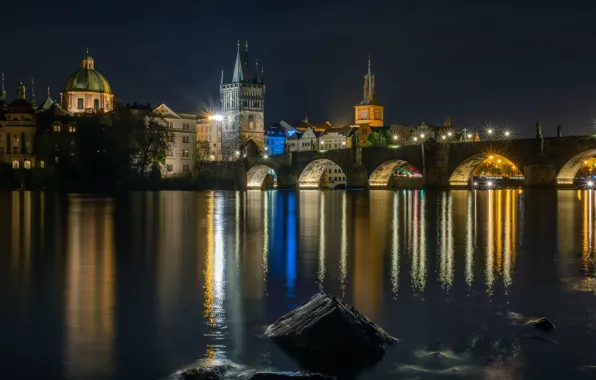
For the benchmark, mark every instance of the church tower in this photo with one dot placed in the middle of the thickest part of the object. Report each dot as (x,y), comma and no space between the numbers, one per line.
(243,108)
(369,111)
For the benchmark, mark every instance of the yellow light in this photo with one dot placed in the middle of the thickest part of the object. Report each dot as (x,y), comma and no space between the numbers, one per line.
(491,157)
(585,162)
(499,161)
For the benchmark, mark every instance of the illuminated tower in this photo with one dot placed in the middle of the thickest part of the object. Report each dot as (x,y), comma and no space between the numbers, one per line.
(369,111)
(243,109)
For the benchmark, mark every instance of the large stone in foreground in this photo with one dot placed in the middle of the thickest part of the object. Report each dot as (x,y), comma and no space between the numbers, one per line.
(290,376)
(324,334)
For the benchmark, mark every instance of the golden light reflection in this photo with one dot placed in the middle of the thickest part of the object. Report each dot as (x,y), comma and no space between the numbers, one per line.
(445,247)
(417,208)
(321,269)
(471,218)
(90,288)
(343,264)
(395,246)
(489,261)
(215,278)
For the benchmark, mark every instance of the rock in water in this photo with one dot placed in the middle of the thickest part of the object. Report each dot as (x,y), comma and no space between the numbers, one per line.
(324,334)
(542,324)
(215,372)
(290,376)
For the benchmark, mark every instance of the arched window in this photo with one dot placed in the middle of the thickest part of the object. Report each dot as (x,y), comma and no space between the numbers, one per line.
(251,121)
(15,164)
(27,164)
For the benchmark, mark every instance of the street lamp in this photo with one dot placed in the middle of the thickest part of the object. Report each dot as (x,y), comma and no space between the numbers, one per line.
(265,156)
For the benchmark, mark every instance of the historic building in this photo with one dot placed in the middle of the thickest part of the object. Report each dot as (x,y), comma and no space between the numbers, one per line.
(182,140)
(19,127)
(336,138)
(243,109)
(369,111)
(87,90)
(208,132)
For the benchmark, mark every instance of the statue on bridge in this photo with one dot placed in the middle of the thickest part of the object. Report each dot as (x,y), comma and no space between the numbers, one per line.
(559,131)
(538,130)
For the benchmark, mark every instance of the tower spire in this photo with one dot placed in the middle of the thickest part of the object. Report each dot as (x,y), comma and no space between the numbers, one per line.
(241,68)
(221,81)
(369,86)
(33,92)
(3,91)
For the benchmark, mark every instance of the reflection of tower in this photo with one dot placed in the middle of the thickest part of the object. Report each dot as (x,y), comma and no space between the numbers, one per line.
(90,287)
(243,106)
(368,253)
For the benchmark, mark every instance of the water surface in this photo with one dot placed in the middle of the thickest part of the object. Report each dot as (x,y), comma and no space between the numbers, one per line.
(139,286)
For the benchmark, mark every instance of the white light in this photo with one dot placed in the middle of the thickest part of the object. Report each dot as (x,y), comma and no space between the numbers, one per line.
(489,184)
(475,183)
(244,154)
(265,156)
(237,152)
(490,131)
(507,133)
(422,136)
(266,148)
(212,157)
(415,138)
(215,117)
(449,134)
(394,137)
(469,135)
(443,137)
(590,184)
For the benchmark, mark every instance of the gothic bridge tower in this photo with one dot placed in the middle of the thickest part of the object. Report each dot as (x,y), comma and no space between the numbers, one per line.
(243,108)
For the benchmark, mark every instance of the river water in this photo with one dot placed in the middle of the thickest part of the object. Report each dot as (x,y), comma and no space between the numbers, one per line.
(144,284)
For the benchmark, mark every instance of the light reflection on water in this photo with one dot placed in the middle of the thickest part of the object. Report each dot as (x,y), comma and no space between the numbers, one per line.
(142,285)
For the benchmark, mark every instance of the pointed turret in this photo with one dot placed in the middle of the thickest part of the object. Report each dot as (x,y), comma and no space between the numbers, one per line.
(33,102)
(448,123)
(21,91)
(47,103)
(242,67)
(3,91)
(369,87)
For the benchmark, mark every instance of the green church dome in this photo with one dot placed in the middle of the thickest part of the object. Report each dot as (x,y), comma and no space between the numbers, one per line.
(87,78)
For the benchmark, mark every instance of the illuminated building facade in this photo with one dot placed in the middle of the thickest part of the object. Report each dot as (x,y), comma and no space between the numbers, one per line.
(182,128)
(86,90)
(208,132)
(243,109)
(369,111)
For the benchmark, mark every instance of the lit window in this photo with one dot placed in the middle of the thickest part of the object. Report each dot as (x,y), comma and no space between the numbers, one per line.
(57,159)
(42,164)
(185,153)
(96,104)
(15,164)
(27,164)
(170,167)
(72,129)
(80,103)
(56,128)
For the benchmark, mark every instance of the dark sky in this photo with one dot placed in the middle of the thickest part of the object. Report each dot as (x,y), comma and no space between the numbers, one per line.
(501,62)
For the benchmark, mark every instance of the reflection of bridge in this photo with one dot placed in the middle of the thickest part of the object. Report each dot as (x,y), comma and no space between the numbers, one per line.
(548,162)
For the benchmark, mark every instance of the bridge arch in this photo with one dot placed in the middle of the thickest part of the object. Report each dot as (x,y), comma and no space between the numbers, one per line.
(382,175)
(250,147)
(322,173)
(465,170)
(567,174)
(261,177)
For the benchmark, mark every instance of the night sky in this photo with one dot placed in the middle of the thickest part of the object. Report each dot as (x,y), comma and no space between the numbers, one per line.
(499,62)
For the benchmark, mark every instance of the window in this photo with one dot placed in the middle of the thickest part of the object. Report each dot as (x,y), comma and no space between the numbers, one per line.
(42,164)
(72,129)
(185,139)
(329,170)
(171,138)
(56,128)
(170,152)
(80,103)
(186,167)
(185,153)
(329,179)
(170,167)
(15,164)
(171,124)
(27,164)
(335,178)
(57,159)
(251,121)
(15,144)
(96,104)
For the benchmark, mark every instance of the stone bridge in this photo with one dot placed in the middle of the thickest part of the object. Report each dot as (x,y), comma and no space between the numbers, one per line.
(546,162)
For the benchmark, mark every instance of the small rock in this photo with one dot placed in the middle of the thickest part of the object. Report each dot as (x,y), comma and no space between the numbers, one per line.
(326,335)
(542,324)
(290,375)
(206,372)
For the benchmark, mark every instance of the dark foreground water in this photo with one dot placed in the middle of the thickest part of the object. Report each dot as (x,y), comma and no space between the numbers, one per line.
(143,285)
